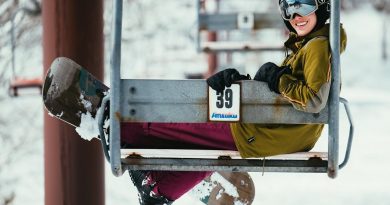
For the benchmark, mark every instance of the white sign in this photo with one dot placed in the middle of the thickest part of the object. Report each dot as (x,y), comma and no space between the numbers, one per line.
(225,105)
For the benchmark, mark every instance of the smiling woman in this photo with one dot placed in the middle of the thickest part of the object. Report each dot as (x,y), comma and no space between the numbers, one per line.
(291,9)
(303,24)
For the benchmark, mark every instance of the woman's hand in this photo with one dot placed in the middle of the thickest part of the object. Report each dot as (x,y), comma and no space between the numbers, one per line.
(271,73)
(225,78)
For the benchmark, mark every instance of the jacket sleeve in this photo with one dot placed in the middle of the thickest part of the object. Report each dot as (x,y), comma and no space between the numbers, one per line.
(310,92)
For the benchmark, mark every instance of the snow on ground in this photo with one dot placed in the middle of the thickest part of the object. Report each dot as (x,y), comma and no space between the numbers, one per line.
(365,180)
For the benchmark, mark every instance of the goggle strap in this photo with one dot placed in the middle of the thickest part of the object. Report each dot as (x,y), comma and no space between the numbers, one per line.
(321,2)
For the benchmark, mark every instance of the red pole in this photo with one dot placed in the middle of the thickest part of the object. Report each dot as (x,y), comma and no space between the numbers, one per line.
(74,168)
(212,58)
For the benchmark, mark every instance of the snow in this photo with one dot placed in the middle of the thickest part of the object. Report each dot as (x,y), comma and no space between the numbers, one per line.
(87,104)
(88,128)
(204,188)
(228,188)
(365,180)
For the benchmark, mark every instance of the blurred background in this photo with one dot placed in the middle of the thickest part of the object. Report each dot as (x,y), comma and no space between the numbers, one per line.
(160,40)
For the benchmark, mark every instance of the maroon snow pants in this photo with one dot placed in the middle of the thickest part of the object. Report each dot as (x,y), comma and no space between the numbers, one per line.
(173,184)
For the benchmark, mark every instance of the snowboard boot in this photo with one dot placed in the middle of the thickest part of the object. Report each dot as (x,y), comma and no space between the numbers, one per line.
(147,189)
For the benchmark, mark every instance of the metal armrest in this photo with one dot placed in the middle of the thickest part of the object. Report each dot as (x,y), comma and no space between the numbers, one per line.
(351,132)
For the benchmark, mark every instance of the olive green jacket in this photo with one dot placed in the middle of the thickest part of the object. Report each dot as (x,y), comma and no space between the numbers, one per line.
(307,88)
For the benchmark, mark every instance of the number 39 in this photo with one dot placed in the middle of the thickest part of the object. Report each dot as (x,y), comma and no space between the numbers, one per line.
(225,98)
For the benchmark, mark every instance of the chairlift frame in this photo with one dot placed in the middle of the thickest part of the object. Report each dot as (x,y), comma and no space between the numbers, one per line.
(122,107)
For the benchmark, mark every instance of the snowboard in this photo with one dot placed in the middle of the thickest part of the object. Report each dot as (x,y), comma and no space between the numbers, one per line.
(71,94)
(226,188)
(69,91)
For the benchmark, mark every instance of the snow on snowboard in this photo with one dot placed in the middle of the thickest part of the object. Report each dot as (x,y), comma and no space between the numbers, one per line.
(226,188)
(73,95)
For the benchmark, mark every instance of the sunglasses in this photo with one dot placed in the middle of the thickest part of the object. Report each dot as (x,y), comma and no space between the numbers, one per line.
(302,7)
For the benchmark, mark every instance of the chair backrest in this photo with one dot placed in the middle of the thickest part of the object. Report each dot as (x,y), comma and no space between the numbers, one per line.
(187,101)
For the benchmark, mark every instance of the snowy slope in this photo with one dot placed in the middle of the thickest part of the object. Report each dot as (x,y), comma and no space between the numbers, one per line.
(171,54)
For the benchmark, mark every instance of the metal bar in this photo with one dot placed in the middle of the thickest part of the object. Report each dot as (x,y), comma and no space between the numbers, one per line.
(351,132)
(227,46)
(333,140)
(100,117)
(213,154)
(229,21)
(187,101)
(232,165)
(115,89)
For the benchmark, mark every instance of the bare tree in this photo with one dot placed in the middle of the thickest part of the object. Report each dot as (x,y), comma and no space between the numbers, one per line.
(18,18)
(15,145)
(383,6)
(6,197)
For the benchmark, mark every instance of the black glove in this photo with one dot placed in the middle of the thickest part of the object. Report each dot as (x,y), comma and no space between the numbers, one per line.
(224,78)
(271,73)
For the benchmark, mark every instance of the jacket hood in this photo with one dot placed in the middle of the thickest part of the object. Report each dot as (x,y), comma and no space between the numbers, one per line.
(296,42)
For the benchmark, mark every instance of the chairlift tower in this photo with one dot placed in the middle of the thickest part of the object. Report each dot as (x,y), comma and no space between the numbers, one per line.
(74,168)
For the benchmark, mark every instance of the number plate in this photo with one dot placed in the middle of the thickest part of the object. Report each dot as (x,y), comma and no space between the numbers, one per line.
(225,105)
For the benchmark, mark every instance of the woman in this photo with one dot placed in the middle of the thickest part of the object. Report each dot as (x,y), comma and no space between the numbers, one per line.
(303,79)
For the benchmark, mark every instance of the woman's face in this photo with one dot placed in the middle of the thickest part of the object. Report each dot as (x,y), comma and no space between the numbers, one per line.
(304,24)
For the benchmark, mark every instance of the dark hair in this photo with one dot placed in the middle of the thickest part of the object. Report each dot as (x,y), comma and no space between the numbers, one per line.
(322,13)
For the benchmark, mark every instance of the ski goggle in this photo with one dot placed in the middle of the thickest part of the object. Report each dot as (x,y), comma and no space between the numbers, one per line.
(302,7)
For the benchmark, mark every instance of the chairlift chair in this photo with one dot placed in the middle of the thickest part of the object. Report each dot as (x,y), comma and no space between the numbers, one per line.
(133,100)
(18,82)
(239,21)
